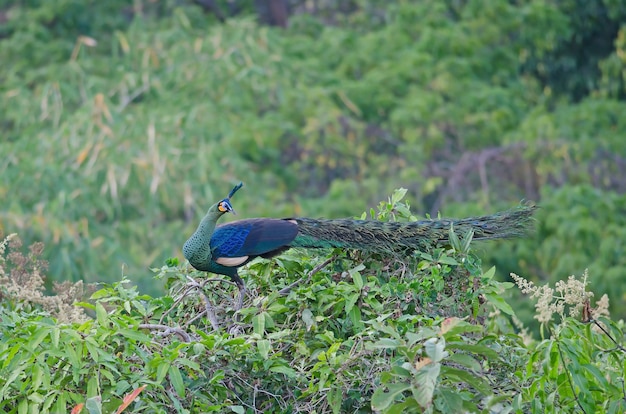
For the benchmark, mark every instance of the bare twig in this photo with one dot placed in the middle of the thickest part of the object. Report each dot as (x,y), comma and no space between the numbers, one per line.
(184,292)
(285,291)
(207,303)
(599,325)
(280,400)
(195,318)
(182,296)
(167,330)
(217,279)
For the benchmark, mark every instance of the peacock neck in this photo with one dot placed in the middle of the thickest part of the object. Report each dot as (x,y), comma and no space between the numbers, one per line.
(208,223)
(197,249)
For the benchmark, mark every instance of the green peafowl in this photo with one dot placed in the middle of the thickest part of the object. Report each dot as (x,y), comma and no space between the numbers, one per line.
(224,248)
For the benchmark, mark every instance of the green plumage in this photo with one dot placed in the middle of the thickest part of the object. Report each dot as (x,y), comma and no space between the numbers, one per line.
(419,235)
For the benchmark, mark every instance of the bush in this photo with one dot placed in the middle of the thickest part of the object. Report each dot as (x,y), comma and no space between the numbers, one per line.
(334,333)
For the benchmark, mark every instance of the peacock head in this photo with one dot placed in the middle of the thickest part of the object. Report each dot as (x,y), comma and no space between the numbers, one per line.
(224,206)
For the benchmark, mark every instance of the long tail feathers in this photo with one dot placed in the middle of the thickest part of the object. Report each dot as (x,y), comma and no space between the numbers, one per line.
(384,236)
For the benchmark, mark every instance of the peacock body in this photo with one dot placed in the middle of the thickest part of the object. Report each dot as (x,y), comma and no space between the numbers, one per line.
(223,249)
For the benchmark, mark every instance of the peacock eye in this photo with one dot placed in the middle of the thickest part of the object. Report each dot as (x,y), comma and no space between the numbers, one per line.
(222,208)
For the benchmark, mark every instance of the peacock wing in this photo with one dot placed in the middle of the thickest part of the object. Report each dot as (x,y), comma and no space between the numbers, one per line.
(252,237)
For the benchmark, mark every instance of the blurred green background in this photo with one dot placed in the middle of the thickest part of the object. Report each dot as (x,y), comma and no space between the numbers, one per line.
(123,121)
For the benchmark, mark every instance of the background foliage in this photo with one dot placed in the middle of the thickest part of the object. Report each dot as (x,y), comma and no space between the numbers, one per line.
(123,121)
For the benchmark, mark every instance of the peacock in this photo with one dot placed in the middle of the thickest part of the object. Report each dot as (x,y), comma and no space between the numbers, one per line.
(223,249)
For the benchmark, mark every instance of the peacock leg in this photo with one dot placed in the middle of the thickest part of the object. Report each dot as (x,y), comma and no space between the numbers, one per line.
(242,291)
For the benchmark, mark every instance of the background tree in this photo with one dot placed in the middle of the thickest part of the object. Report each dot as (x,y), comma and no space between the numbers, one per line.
(122,121)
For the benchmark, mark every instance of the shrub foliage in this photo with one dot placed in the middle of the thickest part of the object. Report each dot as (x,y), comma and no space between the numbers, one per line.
(337,332)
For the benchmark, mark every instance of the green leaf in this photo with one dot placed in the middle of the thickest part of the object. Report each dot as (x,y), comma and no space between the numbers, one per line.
(54,336)
(459,375)
(384,396)
(218,376)
(264,347)
(454,239)
(94,405)
(9,357)
(36,339)
(48,401)
(269,321)
(448,260)
(61,404)
(355,317)
(162,370)
(435,349)
(86,305)
(422,334)
(177,381)
(601,379)
(398,195)
(236,341)
(404,407)
(426,256)
(102,293)
(384,343)
(73,356)
(404,370)
(283,369)
(489,274)
(101,315)
(134,334)
(467,240)
(466,360)
(22,407)
(189,363)
(307,318)
(36,398)
(238,409)
(108,375)
(350,301)
(426,379)
(92,386)
(454,326)
(449,401)
(92,348)
(499,302)
(9,382)
(475,349)
(139,307)
(334,398)
(258,323)
(37,376)
(356,278)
